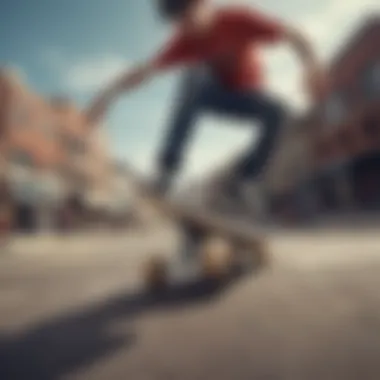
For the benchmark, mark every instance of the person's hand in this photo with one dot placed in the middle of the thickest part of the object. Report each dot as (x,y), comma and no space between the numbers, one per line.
(316,83)
(97,111)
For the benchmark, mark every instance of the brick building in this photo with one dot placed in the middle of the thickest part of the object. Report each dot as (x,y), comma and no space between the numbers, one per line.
(348,140)
(341,137)
(30,151)
(329,158)
(48,156)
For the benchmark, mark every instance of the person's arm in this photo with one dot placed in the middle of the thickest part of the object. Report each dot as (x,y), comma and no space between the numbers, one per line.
(128,81)
(269,30)
(315,75)
(176,52)
(302,47)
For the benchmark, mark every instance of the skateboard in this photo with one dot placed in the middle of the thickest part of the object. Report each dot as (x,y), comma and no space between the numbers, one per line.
(226,249)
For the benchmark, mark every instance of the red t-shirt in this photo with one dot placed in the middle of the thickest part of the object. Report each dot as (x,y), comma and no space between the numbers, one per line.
(230,47)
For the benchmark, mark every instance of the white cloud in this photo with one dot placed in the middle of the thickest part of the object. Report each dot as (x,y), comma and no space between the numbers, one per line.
(328,28)
(84,75)
(335,21)
(91,74)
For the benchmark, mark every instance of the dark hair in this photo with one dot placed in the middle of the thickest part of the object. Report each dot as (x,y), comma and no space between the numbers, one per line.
(171,9)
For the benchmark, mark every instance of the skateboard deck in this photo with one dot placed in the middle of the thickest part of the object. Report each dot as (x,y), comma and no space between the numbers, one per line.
(227,247)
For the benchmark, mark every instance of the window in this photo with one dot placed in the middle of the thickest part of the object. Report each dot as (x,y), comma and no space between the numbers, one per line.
(371,80)
(72,176)
(334,110)
(371,126)
(50,186)
(346,140)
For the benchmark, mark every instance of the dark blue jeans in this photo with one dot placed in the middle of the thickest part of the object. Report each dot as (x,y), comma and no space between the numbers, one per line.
(201,92)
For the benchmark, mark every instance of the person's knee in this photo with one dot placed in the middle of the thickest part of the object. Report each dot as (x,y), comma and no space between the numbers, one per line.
(169,161)
(275,115)
(193,82)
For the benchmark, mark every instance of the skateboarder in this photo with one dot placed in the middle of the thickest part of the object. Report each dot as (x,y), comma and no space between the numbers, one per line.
(219,48)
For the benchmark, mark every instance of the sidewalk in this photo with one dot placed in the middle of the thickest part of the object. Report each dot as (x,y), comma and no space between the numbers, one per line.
(74,243)
(90,242)
(98,241)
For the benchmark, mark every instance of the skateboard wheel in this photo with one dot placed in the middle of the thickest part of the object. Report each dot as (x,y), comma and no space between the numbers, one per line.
(156,275)
(216,256)
(251,256)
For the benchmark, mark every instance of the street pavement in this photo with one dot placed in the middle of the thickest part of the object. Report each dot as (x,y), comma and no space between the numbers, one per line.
(76,311)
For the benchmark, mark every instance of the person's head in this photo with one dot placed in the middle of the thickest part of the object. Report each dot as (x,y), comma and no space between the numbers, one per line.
(193,15)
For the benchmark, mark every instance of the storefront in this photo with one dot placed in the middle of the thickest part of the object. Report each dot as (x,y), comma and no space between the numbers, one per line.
(51,195)
(345,130)
(366,181)
(353,185)
(36,197)
(24,198)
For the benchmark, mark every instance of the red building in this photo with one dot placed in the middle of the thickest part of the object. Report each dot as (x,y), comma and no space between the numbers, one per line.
(47,153)
(345,130)
(347,125)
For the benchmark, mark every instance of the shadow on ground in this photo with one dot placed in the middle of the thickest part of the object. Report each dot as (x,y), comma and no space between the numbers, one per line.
(70,342)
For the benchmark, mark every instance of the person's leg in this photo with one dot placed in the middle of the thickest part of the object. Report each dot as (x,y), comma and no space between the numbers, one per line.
(258,106)
(189,104)
(182,125)
(252,164)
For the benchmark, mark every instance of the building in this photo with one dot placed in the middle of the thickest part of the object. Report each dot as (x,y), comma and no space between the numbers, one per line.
(125,206)
(333,162)
(30,151)
(49,158)
(329,158)
(345,130)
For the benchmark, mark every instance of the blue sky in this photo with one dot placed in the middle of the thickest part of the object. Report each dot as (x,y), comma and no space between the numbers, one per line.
(72,47)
